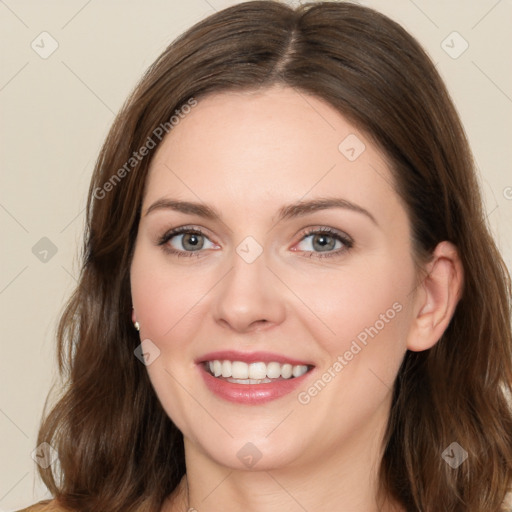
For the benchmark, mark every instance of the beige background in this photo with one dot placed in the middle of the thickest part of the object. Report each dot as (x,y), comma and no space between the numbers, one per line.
(56,112)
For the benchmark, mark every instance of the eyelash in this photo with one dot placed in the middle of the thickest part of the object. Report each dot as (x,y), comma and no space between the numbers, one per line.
(347,241)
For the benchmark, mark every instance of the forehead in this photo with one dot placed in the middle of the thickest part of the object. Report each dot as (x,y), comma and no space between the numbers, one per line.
(262,148)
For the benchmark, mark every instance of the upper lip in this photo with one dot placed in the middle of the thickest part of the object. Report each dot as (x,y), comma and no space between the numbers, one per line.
(250,357)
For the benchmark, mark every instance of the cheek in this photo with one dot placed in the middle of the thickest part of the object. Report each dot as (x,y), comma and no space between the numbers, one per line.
(367,313)
(369,319)
(164,297)
(363,302)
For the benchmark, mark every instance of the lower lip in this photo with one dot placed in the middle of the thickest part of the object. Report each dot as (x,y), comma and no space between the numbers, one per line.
(251,394)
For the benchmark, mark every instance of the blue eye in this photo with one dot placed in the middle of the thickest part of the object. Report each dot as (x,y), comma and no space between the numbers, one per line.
(192,241)
(325,240)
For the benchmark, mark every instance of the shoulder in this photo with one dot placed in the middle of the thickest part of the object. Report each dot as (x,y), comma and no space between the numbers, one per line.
(507,504)
(44,506)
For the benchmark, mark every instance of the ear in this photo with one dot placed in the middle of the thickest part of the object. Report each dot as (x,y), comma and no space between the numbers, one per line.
(134,318)
(436,298)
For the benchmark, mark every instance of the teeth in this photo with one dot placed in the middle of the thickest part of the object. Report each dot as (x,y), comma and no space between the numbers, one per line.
(297,371)
(254,373)
(249,381)
(226,369)
(286,371)
(239,370)
(273,370)
(257,370)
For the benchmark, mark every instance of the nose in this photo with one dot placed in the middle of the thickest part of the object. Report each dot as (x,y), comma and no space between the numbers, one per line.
(250,297)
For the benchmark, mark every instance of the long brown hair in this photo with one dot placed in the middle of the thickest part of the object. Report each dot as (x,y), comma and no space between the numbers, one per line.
(118,450)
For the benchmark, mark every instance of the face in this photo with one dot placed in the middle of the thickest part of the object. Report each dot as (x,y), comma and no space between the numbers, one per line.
(302,313)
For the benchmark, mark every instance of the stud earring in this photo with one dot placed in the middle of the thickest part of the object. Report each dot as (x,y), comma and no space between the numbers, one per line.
(136,325)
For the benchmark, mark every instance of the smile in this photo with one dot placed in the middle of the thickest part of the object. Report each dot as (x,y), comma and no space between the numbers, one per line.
(254,378)
(240,372)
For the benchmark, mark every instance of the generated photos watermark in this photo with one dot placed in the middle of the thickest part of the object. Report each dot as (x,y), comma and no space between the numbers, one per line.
(357,345)
(137,156)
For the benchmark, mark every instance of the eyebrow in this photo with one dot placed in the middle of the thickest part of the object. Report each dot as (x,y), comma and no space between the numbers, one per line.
(294,210)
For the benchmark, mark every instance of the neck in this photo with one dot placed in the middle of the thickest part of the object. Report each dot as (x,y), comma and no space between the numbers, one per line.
(343,479)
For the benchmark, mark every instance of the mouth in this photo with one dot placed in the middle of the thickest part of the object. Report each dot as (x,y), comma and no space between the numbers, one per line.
(252,378)
(240,372)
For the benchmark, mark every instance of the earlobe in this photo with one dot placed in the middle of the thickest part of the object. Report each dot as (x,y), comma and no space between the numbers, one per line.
(437,298)
(134,320)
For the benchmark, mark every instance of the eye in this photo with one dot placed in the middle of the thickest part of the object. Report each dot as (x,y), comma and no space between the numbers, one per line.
(325,240)
(189,241)
(184,241)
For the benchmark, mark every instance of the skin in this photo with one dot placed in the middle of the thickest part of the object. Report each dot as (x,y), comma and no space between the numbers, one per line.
(248,154)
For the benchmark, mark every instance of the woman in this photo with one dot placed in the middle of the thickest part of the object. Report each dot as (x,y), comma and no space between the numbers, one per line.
(289,298)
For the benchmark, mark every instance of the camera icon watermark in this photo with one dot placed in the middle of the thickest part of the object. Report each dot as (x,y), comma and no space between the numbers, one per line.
(249,455)
(44,250)
(44,455)
(351,147)
(44,45)
(249,249)
(454,455)
(507,193)
(147,352)
(454,45)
